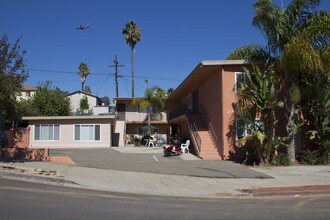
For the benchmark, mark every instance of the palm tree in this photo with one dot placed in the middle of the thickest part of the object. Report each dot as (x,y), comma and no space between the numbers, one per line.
(298,38)
(83,73)
(153,97)
(252,52)
(132,35)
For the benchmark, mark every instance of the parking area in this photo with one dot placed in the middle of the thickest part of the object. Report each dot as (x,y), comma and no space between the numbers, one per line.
(152,160)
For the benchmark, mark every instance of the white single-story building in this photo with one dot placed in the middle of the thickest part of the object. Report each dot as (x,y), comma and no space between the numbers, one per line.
(70,131)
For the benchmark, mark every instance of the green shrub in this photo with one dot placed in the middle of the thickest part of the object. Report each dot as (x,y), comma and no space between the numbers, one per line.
(281,159)
(315,157)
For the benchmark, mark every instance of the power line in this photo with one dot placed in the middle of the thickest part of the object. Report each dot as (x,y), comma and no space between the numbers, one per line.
(104,74)
(66,72)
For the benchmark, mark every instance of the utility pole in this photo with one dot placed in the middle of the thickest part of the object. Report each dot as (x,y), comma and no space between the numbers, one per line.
(116,74)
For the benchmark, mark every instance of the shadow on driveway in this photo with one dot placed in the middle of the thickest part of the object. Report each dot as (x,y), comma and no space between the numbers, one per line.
(155,162)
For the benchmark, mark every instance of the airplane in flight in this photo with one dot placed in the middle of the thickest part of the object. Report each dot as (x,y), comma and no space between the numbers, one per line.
(83,27)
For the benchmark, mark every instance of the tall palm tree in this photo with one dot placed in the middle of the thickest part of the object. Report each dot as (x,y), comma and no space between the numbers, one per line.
(153,97)
(298,39)
(132,35)
(83,73)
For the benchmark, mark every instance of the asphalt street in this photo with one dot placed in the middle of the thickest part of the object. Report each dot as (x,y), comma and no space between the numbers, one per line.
(24,200)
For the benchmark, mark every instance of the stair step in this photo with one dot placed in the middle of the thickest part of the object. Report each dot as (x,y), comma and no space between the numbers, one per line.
(211,158)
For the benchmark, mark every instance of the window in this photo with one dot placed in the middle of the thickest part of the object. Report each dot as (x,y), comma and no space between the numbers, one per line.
(243,129)
(87,132)
(239,78)
(46,132)
(121,107)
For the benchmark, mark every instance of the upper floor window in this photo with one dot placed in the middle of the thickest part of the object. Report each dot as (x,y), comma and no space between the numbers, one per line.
(87,132)
(121,107)
(239,78)
(243,129)
(46,132)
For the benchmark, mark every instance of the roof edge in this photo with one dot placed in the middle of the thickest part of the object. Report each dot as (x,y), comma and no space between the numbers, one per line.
(209,63)
(40,118)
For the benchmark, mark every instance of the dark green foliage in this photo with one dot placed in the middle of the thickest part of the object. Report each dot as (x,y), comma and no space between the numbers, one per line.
(12,76)
(84,107)
(315,157)
(282,159)
(50,101)
(251,52)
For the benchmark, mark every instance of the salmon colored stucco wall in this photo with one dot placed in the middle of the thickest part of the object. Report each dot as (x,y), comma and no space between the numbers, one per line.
(67,134)
(217,96)
(228,99)
(210,100)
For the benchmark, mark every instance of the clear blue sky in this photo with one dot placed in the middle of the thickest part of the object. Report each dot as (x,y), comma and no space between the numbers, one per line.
(176,35)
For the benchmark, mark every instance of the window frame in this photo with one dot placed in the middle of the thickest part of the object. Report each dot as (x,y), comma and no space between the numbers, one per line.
(95,135)
(246,131)
(236,80)
(53,132)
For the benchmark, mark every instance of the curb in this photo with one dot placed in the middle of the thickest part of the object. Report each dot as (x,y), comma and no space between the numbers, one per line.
(35,178)
(295,191)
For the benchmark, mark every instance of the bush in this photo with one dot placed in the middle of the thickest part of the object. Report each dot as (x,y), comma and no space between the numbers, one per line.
(281,159)
(315,157)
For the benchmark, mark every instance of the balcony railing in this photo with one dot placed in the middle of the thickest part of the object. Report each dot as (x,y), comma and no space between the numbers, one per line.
(179,111)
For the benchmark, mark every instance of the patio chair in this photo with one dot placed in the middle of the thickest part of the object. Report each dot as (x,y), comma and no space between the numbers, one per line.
(151,143)
(185,147)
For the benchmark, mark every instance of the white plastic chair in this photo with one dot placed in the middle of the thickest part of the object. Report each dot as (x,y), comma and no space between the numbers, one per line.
(185,147)
(151,143)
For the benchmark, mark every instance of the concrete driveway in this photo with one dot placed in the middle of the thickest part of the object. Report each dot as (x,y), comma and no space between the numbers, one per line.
(152,160)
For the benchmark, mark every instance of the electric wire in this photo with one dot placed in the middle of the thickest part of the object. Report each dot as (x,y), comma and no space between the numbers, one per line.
(103,74)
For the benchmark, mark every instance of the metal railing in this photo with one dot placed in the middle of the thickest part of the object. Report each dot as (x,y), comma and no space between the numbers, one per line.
(179,111)
(196,136)
(211,129)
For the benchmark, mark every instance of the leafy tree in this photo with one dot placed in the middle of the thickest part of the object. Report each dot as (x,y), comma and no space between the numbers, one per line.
(317,98)
(88,90)
(83,73)
(50,101)
(132,35)
(84,107)
(12,75)
(170,91)
(106,100)
(298,41)
(153,97)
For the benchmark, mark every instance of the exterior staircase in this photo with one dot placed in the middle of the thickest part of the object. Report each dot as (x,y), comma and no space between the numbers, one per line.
(207,149)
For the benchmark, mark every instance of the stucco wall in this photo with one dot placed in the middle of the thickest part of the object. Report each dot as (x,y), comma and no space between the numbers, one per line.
(210,99)
(18,138)
(67,134)
(75,101)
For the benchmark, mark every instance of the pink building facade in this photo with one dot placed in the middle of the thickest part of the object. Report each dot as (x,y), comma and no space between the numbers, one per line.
(201,108)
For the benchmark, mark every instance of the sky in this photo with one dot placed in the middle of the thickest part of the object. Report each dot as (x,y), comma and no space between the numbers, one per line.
(176,36)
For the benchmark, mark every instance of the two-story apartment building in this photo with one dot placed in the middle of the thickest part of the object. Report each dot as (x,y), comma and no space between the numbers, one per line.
(131,120)
(201,107)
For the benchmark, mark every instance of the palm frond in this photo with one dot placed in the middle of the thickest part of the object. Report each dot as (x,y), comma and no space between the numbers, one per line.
(300,57)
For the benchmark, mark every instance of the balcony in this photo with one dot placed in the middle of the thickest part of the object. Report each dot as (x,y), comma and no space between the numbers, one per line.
(179,111)
(140,117)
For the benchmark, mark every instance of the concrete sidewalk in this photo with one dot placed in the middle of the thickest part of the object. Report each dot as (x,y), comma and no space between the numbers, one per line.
(293,180)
